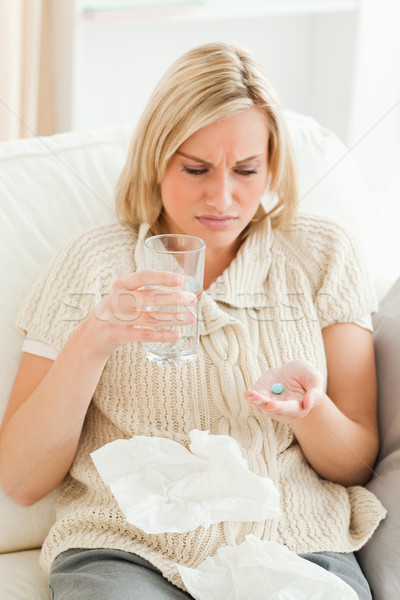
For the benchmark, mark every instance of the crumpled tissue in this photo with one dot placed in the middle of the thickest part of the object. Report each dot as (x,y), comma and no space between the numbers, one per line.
(163,487)
(258,570)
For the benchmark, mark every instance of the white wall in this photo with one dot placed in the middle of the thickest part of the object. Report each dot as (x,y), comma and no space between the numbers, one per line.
(375,109)
(340,65)
(121,61)
(115,63)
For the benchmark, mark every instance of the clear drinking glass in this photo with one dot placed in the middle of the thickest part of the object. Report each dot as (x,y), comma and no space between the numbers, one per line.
(183,254)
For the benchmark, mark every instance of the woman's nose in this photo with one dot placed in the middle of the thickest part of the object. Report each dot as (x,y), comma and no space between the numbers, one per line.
(219,193)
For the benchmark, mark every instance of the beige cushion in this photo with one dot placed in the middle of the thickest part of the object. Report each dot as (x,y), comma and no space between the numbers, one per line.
(21,578)
(22,527)
(50,188)
(380,557)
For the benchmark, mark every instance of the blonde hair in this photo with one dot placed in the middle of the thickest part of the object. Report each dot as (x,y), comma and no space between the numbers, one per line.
(209,83)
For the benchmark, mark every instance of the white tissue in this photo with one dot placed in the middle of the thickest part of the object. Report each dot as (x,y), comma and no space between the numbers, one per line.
(162,487)
(258,570)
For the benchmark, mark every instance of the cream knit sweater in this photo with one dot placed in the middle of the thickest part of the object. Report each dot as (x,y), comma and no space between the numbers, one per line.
(268,307)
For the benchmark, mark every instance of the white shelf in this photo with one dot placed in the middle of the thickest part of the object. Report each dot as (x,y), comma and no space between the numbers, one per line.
(223,9)
(268,8)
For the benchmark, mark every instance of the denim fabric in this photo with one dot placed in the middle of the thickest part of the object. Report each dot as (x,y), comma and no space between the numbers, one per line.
(344,566)
(104,574)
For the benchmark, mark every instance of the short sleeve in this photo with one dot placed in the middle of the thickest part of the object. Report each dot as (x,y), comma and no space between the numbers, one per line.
(344,290)
(33,345)
(73,283)
(65,292)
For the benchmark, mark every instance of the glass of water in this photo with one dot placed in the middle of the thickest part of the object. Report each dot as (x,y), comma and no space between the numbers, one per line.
(183,254)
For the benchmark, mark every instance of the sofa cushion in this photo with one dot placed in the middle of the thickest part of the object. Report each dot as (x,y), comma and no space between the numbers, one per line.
(21,578)
(387,352)
(25,527)
(331,184)
(379,558)
(50,188)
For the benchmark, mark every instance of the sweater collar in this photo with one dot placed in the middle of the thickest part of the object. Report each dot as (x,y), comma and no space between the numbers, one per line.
(242,282)
(241,285)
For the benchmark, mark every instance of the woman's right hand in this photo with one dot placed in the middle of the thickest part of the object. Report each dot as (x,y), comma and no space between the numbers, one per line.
(44,418)
(130,312)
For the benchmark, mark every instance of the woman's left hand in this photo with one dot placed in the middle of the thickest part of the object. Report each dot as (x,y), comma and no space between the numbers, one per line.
(302,390)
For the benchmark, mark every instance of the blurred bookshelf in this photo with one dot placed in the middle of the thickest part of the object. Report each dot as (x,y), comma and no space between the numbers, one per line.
(94,10)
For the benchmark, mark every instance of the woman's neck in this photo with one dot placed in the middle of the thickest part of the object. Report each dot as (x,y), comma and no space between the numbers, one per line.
(217,260)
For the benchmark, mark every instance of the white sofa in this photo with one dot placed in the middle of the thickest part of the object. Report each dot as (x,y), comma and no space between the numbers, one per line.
(52,187)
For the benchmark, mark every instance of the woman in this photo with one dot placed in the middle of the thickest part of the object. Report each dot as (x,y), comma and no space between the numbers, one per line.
(282,296)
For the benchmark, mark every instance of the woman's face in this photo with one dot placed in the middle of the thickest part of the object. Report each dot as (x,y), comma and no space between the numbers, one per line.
(213,183)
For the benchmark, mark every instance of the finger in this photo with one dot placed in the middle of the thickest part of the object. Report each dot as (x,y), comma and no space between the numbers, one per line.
(311,398)
(138,279)
(285,407)
(165,297)
(129,301)
(144,334)
(259,397)
(254,397)
(162,319)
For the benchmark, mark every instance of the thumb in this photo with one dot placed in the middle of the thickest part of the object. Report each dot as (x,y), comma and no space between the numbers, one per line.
(311,398)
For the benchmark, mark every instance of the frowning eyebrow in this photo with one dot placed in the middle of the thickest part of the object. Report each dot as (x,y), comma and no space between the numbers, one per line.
(208,164)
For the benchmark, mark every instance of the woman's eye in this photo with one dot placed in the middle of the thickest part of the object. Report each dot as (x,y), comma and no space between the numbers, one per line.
(194,171)
(202,170)
(246,171)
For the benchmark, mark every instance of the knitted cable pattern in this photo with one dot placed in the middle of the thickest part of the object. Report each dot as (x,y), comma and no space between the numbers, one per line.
(268,307)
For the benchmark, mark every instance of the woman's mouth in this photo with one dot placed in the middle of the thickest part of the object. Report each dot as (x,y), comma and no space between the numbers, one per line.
(216,222)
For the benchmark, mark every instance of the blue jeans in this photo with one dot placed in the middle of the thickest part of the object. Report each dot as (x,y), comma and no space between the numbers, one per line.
(116,575)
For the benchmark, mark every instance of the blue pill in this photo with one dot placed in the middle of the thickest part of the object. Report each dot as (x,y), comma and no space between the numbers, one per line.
(277,388)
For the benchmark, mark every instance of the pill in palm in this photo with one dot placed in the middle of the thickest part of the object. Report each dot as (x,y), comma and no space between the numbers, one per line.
(277,388)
